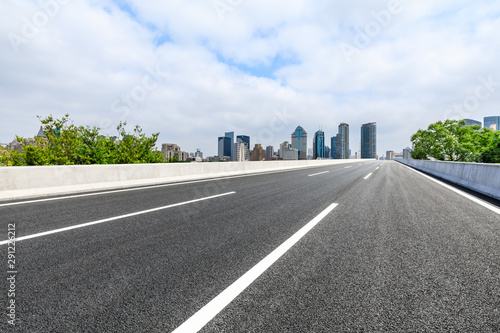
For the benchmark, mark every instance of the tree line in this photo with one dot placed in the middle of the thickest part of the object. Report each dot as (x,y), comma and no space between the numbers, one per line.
(64,143)
(452,140)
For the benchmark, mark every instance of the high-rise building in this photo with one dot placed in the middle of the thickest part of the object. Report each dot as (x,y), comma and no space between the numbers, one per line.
(284,146)
(258,153)
(343,142)
(369,140)
(328,152)
(389,155)
(224,146)
(230,135)
(290,154)
(198,153)
(245,139)
(319,145)
(334,147)
(299,142)
(493,123)
(472,122)
(241,152)
(269,152)
(172,151)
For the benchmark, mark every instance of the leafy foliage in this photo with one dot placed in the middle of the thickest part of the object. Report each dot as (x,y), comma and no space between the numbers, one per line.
(67,144)
(451,140)
(492,154)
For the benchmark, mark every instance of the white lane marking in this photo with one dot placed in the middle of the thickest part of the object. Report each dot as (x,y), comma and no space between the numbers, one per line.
(319,173)
(348,167)
(377,168)
(465,195)
(210,310)
(114,218)
(371,173)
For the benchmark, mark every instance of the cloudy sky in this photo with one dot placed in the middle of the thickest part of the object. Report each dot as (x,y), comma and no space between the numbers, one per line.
(194,69)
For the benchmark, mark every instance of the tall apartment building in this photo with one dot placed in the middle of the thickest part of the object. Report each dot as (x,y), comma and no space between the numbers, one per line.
(334,147)
(369,140)
(245,139)
(269,152)
(258,153)
(343,142)
(224,145)
(319,145)
(230,135)
(284,146)
(299,142)
(241,152)
(493,123)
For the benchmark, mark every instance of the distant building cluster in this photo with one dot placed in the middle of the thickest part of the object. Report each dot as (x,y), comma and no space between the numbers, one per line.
(238,150)
(172,152)
(493,123)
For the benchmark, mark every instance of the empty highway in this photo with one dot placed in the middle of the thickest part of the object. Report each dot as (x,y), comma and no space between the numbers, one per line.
(365,247)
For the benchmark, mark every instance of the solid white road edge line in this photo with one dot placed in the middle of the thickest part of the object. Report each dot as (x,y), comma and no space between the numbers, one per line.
(462,193)
(319,173)
(371,173)
(113,218)
(209,311)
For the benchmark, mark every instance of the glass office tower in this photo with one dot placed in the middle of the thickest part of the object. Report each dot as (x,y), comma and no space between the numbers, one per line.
(369,140)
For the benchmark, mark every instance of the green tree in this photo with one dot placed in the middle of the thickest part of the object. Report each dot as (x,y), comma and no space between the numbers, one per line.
(67,144)
(451,140)
(492,154)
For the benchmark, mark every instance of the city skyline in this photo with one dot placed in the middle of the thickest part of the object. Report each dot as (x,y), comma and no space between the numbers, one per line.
(190,72)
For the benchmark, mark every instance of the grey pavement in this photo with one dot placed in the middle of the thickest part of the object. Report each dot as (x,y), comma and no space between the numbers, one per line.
(400,253)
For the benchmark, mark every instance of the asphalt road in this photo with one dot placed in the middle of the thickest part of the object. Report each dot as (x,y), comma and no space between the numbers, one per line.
(399,253)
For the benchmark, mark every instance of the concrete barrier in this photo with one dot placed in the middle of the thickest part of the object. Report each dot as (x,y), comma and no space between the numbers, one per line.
(25,182)
(482,178)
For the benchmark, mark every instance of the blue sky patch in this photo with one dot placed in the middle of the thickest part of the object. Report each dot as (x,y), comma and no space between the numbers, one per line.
(261,70)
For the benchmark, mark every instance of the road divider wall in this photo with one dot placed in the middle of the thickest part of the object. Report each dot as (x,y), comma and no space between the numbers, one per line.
(482,178)
(34,181)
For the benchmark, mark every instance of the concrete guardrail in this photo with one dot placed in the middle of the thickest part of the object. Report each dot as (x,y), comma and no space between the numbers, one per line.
(34,181)
(482,178)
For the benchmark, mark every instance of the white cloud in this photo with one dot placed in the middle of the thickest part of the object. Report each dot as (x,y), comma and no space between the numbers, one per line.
(90,54)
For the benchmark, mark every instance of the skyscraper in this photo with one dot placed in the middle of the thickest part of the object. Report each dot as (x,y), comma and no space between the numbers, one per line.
(230,135)
(269,152)
(493,123)
(241,152)
(319,145)
(299,142)
(245,139)
(472,122)
(369,140)
(284,146)
(224,146)
(258,153)
(334,147)
(328,152)
(343,142)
